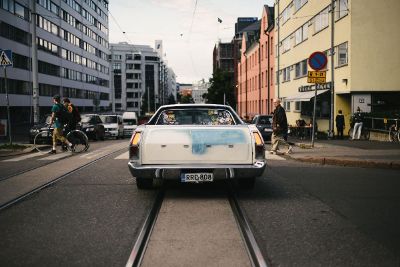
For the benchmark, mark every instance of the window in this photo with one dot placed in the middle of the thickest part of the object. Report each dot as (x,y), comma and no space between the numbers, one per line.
(285,15)
(286,74)
(297,106)
(116,66)
(341,8)
(301,69)
(298,4)
(286,105)
(342,54)
(286,44)
(301,34)
(321,21)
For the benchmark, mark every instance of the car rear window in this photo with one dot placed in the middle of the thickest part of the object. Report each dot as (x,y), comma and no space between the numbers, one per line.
(266,120)
(195,117)
(109,119)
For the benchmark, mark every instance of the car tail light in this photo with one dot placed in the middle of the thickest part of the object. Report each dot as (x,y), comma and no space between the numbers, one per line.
(258,146)
(134,145)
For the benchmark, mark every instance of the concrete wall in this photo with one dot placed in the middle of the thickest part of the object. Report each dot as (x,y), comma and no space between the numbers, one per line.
(375,38)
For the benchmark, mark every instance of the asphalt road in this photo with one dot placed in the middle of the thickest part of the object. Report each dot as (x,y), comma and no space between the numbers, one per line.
(90,218)
(313,215)
(302,215)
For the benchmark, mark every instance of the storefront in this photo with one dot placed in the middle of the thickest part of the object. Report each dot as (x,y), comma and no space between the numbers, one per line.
(301,105)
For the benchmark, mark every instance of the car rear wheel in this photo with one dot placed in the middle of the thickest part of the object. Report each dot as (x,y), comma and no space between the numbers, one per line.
(144,183)
(246,183)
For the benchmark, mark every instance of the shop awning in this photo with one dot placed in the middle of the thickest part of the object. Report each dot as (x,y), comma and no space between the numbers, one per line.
(305,96)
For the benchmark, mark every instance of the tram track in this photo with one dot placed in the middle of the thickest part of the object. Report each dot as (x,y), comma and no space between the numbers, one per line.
(37,189)
(253,251)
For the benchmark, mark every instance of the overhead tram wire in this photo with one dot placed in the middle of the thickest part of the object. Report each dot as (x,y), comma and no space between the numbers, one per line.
(189,37)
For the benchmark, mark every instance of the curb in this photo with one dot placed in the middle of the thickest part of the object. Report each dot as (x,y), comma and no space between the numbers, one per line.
(350,163)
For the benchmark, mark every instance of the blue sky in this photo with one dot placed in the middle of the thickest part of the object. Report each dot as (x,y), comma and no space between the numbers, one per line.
(189,29)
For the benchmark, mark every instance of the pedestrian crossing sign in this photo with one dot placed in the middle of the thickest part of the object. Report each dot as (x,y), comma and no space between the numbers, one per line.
(6,58)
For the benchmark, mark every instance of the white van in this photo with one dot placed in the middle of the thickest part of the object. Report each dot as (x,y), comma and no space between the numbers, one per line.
(130,121)
(113,125)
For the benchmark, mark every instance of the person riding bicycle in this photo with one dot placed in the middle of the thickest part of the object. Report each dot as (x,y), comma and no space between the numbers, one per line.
(358,119)
(56,112)
(75,116)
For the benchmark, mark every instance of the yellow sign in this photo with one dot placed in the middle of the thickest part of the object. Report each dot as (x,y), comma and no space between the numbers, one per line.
(317,74)
(316,80)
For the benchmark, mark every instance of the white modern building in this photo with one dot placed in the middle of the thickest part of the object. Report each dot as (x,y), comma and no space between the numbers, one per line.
(72,55)
(135,78)
(199,89)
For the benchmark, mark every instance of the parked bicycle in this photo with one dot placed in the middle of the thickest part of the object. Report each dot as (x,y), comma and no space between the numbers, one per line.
(365,133)
(394,131)
(43,141)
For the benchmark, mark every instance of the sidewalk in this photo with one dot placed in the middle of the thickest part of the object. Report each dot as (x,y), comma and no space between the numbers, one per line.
(372,154)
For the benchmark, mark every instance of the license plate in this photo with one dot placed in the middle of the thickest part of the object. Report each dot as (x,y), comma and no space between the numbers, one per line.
(196,177)
(267,130)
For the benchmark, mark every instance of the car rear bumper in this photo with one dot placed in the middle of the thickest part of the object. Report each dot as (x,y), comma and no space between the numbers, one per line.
(172,172)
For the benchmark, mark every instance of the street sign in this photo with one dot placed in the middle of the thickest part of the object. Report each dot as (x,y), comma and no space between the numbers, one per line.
(6,58)
(316,77)
(316,80)
(317,60)
(316,74)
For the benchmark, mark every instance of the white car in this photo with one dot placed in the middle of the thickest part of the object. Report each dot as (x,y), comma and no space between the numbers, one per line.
(130,121)
(196,143)
(113,125)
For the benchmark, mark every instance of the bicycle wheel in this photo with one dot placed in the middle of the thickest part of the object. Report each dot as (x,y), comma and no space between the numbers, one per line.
(79,141)
(393,134)
(43,142)
(365,134)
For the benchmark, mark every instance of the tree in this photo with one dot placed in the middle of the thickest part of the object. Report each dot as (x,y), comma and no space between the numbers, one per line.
(171,99)
(221,84)
(187,99)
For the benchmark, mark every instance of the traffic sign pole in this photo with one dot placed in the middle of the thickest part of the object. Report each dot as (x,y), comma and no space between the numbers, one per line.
(8,105)
(313,120)
(317,61)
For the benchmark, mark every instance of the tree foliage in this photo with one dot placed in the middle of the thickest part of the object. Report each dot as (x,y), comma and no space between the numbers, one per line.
(221,83)
(187,99)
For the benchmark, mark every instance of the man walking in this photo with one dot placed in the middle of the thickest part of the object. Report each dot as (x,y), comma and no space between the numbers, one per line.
(358,124)
(340,124)
(56,111)
(279,128)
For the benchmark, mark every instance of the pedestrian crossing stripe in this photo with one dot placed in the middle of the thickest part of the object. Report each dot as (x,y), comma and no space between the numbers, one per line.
(5,59)
(89,155)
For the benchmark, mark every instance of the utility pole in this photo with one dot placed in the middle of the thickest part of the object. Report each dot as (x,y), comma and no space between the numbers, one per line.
(331,127)
(8,105)
(35,83)
(112,81)
(277,50)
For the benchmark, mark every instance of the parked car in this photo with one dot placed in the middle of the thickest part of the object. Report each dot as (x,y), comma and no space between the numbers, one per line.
(92,126)
(196,143)
(113,125)
(130,121)
(43,125)
(264,125)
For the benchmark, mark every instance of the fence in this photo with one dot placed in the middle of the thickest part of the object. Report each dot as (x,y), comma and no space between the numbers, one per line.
(379,124)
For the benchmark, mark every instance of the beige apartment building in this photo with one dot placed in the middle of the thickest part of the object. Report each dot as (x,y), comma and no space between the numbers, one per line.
(366,58)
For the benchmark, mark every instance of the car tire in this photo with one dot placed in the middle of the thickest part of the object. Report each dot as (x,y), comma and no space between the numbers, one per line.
(246,183)
(144,183)
(96,136)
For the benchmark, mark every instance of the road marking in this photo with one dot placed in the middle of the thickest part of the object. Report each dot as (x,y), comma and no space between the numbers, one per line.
(57,156)
(31,155)
(123,156)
